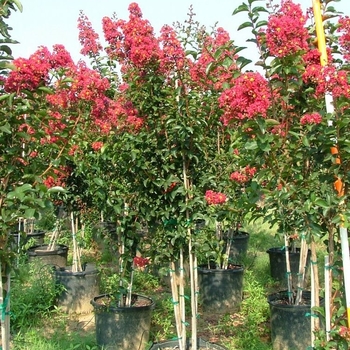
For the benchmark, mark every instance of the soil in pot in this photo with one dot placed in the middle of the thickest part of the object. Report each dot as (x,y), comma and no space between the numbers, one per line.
(174,344)
(220,290)
(122,328)
(56,257)
(290,324)
(79,288)
(278,270)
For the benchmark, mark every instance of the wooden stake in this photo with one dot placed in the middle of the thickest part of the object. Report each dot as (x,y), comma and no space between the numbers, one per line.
(301,273)
(177,313)
(289,274)
(5,303)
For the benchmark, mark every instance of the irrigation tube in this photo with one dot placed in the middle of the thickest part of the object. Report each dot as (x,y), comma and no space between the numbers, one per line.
(321,41)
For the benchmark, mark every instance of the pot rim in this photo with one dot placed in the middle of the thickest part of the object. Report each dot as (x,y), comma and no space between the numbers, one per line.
(204,269)
(109,308)
(271,298)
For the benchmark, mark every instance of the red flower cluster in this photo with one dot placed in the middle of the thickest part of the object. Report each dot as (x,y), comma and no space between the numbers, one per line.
(344,332)
(344,40)
(214,198)
(59,178)
(97,145)
(286,33)
(172,56)
(327,80)
(140,262)
(243,176)
(313,118)
(249,97)
(133,41)
(88,37)
(218,74)
(30,73)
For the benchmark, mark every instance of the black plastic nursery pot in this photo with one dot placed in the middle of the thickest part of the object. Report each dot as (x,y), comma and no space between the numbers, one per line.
(122,328)
(278,270)
(221,290)
(79,288)
(239,246)
(174,344)
(290,324)
(55,257)
(21,238)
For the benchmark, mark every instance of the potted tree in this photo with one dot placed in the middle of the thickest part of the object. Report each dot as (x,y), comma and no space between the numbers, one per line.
(285,124)
(167,126)
(33,140)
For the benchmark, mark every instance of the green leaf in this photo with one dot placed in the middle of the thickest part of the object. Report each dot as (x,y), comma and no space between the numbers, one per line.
(240,8)
(321,203)
(46,89)
(260,9)
(245,25)
(98,181)
(6,128)
(57,189)
(18,4)
(243,61)
(261,24)
(305,141)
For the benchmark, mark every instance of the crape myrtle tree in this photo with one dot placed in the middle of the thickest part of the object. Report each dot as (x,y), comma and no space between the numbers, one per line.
(47,101)
(284,124)
(165,90)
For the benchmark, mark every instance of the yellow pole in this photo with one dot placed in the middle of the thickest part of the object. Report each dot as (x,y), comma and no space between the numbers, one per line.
(321,43)
(321,38)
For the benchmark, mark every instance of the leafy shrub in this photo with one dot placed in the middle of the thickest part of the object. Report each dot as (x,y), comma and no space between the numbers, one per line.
(33,294)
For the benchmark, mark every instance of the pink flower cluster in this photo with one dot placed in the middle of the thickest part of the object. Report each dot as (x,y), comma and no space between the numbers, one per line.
(97,145)
(327,79)
(140,261)
(131,41)
(243,176)
(172,55)
(215,198)
(248,98)
(344,40)
(32,72)
(220,43)
(312,118)
(286,33)
(88,37)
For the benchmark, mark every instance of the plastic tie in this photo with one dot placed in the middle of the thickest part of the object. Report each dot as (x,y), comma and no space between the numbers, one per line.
(174,302)
(3,307)
(313,262)
(185,296)
(308,314)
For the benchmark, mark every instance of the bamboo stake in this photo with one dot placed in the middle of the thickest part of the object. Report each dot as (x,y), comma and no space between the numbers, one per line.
(187,186)
(54,237)
(196,288)
(228,248)
(182,297)
(5,304)
(177,313)
(76,258)
(129,294)
(316,285)
(301,273)
(327,297)
(289,274)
